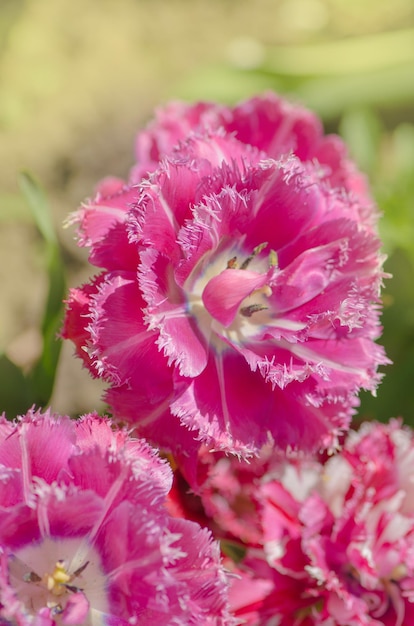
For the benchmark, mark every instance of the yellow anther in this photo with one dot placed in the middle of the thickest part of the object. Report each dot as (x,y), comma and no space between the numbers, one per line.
(273,260)
(61,576)
(50,583)
(55,582)
(257,250)
(399,571)
(266,290)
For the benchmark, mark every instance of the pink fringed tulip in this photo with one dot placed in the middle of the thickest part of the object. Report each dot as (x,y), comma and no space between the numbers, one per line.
(85,537)
(239,298)
(269,123)
(337,546)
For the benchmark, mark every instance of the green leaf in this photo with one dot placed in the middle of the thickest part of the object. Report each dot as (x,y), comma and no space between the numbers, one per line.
(37,201)
(329,96)
(15,396)
(394,190)
(362,132)
(233,549)
(395,395)
(57,288)
(43,374)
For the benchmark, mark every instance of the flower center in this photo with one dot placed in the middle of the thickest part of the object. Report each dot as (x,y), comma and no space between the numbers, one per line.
(62,585)
(57,583)
(230,295)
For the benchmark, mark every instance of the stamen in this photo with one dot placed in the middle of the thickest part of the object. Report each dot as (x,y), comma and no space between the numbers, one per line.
(273,260)
(399,571)
(56,582)
(257,250)
(266,290)
(80,570)
(73,588)
(247,311)
(232,263)
(31,577)
(60,579)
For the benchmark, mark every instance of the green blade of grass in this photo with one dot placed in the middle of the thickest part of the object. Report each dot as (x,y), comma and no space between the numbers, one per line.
(42,376)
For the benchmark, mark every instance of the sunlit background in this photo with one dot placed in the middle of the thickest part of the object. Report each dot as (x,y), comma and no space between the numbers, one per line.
(79,78)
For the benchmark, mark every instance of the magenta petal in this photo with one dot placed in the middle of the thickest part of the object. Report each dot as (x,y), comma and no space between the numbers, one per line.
(96,220)
(306,277)
(86,503)
(75,326)
(163,205)
(77,608)
(115,252)
(18,524)
(102,227)
(234,408)
(172,123)
(126,336)
(225,292)
(43,618)
(214,220)
(289,196)
(151,420)
(48,446)
(11,487)
(124,348)
(225,404)
(167,312)
(274,125)
(183,344)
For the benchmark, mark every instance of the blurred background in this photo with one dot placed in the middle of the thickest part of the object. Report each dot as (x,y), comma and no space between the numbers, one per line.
(78,79)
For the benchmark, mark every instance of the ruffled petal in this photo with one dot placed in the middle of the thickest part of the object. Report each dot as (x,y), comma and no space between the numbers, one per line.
(225,292)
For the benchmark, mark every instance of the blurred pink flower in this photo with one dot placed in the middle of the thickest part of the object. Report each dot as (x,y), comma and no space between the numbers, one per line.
(268,122)
(338,538)
(225,493)
(239,301)
(85,537)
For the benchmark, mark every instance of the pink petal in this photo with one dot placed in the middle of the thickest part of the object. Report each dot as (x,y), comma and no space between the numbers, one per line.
(164,204)
(225,292)
(306,277)
(179,336)
(234,408)
(76,609)
(117,344)
(42,618)
(172,123)
(102,227)
(48,445)
(288,196)
(75,325)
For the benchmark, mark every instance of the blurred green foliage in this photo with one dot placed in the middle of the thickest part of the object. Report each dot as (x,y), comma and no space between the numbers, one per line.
(68,67)
(20,389)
